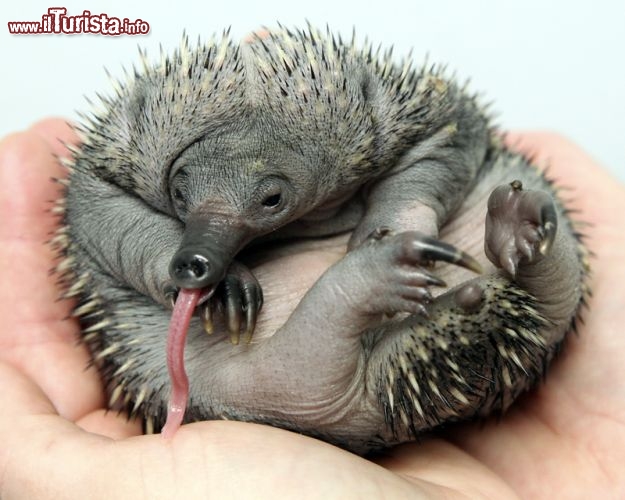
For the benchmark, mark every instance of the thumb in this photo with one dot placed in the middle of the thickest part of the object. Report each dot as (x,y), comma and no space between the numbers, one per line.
(34,335)
(41,453)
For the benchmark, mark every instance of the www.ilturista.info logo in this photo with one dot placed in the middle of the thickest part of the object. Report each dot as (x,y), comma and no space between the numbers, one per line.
(57,22)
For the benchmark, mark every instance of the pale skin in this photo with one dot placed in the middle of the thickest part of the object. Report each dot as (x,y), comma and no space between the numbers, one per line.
(565,439)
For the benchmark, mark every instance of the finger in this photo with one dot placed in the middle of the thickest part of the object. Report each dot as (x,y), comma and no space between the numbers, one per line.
(34,334)
(29,294)
(23,401)
(437,464)
(65,458)
(110,424)
(57,133)
(27,166)
(34,437)
(19,397)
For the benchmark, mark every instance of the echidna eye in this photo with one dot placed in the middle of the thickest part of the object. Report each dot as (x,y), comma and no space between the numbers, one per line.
(178,195)
(272,201)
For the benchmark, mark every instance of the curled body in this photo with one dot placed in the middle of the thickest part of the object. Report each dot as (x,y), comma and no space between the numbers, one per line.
(222,167)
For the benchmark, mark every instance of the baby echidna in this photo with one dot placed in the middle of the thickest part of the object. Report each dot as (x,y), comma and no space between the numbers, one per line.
(262,150)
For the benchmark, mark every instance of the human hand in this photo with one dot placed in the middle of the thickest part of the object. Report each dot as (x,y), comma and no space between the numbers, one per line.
(566,438)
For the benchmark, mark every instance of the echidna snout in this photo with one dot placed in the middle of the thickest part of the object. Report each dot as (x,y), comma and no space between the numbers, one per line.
(209,242)
(190,268)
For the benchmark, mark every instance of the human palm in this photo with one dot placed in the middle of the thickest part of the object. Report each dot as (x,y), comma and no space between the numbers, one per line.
(565,439)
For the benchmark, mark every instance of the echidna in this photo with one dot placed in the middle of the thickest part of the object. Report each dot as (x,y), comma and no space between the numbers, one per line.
(287,141)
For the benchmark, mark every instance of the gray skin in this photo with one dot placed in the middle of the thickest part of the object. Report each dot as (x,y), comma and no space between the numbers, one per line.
(289,143)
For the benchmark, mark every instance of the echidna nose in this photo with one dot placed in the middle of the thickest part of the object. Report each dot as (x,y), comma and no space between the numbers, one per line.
(190,269)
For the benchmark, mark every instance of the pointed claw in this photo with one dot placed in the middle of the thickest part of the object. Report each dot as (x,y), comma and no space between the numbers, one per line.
(250,323)
(249,330)
(550,226)
(432,280)
(423,311)
(232,296)
(254,302)
(248,333)
(526,248)
(432,249)
(206,315)
(171,294)
(468,262)
(234,327)
(509,263)
(207,293)
(234,337)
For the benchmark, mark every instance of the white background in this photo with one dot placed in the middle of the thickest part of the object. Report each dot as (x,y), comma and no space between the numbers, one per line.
(546,65)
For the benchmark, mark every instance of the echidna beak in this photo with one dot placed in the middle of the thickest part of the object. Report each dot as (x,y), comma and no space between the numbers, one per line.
(208,245)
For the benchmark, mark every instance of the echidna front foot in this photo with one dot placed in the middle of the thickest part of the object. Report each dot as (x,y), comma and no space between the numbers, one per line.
(521,226)
(241,297)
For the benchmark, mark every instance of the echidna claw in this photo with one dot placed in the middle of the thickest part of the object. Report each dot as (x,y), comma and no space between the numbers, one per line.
(435,250)
(171,294)
(242,297)
(253,297)
(549,226)
(234,337)
(231,295)
(206,315)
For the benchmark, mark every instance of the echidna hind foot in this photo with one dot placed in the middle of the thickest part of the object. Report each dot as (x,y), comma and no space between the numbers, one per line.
(520,226)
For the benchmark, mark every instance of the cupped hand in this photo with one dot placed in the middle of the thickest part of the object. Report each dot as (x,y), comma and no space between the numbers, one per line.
(565,439)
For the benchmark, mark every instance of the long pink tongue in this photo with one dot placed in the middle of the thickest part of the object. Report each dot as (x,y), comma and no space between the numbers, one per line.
(181,317)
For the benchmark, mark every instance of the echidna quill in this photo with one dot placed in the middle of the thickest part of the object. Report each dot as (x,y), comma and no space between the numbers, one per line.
(227,162)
